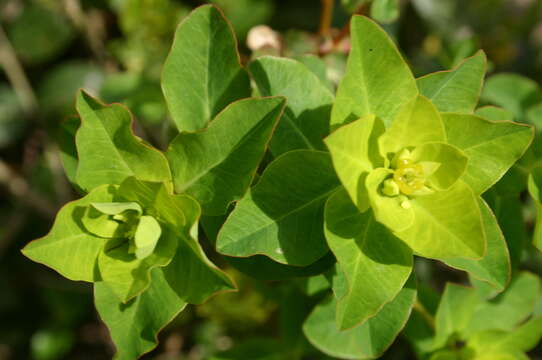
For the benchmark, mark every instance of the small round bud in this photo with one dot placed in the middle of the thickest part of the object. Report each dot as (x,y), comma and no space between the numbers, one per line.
(390,188)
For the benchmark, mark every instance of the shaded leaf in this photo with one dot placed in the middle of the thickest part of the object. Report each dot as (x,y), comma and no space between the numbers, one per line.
(125,274)
(282,216)
(494,267)
(192,275)
(306,118)
(134,326)
(507,310)
(454,313)
(367,341)
(217,165)
(375,262)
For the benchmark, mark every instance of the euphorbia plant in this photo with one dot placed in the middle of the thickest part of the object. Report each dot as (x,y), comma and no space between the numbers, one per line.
(352,188)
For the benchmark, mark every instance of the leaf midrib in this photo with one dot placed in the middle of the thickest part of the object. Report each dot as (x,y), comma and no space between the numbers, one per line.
(186,185)
(429,214)
(492,140)
(283,216)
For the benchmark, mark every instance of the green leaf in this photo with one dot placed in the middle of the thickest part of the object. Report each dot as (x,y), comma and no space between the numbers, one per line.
(454,313)
(533,185)
(193,276)
(377,79)
(134,326)
(318,67)
(146,236)
(508,208)
(510,308)
(115,208)
(202,73)
(494,267)
(524,338)
(306,118)
(282,216)
(513,92)
(512,355)
(179,212)
(456,90)
(217,165)
(452,163)
(375,262)
(259,266)
(394,212)
(367,341)
(446,224)
(385,11)
(127,275)
(68,248)
(108,150)
(492,147)
(337,280)
(65,138)
(354,150)
(416,123)
(494,113)
(101,225)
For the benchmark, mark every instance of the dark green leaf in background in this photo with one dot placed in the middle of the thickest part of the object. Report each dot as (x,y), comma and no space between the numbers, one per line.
(367,341)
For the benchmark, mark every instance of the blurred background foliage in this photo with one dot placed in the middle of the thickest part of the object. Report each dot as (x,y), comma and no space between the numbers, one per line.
(115,49)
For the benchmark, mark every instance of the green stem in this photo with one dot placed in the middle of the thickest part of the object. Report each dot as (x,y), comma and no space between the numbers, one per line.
(430,319)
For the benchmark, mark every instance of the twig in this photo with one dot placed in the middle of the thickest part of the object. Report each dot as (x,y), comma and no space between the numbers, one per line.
(16,75)
(91,26)
(325,18)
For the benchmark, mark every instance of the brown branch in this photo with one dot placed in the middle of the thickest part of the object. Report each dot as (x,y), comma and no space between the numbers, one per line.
(325,18)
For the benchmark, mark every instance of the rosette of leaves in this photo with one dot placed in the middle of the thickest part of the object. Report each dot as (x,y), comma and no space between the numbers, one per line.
(134,232)
(406,164)
(414,160)
(467,325)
